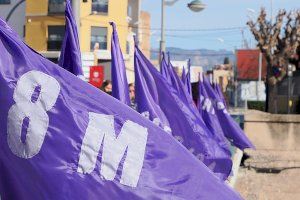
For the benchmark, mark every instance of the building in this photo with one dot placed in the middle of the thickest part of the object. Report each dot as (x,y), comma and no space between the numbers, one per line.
(45,30)
(251,71)
(195,70)
(15,11)
(248,65)
(145,33)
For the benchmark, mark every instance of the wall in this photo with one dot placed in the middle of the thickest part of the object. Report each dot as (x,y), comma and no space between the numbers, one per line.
(271,131)
(272,170)
(117,12)
(37,30)
(145,33)
(38,20)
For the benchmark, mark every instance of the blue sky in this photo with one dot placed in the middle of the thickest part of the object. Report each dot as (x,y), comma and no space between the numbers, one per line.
(219,14)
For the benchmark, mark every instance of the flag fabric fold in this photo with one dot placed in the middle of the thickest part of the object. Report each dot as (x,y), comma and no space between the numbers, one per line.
(118,70)
(164,70)
(186,78)
(211,120)
(70,56)
(182,91)
(219,92)
(185,124)
(61,138)
(231,129)
(183,76)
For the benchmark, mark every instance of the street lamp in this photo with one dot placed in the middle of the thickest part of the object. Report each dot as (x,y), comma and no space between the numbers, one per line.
(13,10)
(195,6)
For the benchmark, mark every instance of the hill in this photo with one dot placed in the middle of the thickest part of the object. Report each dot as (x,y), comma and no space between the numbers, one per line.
(199,57)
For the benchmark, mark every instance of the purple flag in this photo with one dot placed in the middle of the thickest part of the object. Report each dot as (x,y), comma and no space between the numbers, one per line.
(164,68)
(118,70)
(182,90)
(183,76)
(160,102)
(211,120)
(70,56)
(219,92)
(61,138)
(230,128)
(176,82)
(147,97)
(186,78)
(7,27)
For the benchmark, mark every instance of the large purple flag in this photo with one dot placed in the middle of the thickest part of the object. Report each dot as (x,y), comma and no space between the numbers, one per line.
(160,102)
(70,57)
(118,70)
(211,120)
(230,128)
(61,138)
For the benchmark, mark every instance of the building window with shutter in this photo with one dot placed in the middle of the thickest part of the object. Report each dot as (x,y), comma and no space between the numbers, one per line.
(55,37)
(56,7)
(100,6)
(99,36)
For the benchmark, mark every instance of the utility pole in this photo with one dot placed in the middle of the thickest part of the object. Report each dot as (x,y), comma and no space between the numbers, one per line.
(289,94)
(195,6)
(76,13)
(244,41)
(259,74)
(162,36)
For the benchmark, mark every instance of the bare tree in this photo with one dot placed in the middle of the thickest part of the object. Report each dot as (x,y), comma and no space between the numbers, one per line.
(278,42)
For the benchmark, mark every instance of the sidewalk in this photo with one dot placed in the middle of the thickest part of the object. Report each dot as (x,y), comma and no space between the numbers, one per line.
(272,171)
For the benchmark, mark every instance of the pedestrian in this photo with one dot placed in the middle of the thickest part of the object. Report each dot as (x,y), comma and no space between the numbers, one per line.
(107,87)
(132,95)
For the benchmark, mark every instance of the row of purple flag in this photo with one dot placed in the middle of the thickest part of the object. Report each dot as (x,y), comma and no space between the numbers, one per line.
(64,139)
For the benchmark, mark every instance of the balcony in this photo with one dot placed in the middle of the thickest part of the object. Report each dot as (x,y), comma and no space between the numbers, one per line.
(56,7)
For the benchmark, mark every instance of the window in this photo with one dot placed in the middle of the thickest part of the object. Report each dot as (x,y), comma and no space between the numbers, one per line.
(4,1)
(55,37)
(100,6)
(129,11)
(56,6)
(99,35)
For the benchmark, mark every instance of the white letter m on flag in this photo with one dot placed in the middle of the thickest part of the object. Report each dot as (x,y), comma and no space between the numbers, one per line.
(132,138)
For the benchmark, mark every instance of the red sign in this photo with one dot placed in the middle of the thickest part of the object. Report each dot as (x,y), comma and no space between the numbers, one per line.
(96,76)
(248,64)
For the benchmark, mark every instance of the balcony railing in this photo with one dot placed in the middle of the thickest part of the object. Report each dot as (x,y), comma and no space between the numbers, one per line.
(54,45)
(102,45)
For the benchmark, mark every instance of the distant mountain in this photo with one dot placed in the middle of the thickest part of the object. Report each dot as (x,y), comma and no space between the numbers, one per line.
(199,57)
